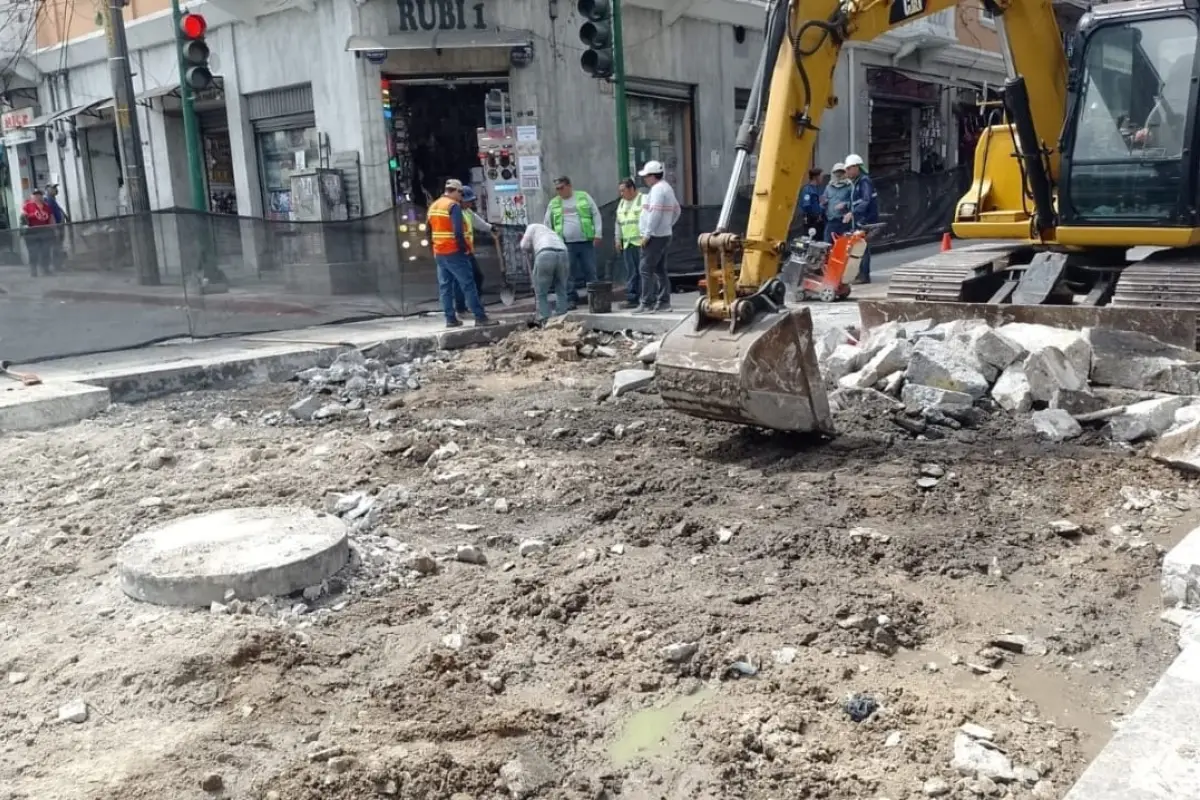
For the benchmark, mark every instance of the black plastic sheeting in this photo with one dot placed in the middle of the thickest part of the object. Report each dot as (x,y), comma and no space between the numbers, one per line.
(212,275)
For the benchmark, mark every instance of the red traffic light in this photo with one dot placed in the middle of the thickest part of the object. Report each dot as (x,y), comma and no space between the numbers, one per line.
(193,26)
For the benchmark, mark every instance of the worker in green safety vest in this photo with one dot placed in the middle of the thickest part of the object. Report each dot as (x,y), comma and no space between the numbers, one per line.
(575,217)
(629,239)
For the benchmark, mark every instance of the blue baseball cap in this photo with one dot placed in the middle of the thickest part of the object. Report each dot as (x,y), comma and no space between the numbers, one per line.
(468,194)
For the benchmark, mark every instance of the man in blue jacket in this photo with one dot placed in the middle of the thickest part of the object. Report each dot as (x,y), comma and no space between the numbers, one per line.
(810,205)
(864,207)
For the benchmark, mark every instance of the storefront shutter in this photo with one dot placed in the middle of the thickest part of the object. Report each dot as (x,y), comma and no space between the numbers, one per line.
(660,90)
(281,109)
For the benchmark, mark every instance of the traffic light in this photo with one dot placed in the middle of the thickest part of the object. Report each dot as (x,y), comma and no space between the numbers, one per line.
(194,52)
(597,34)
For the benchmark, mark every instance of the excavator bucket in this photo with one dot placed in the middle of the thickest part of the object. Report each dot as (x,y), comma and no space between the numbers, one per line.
(762,374)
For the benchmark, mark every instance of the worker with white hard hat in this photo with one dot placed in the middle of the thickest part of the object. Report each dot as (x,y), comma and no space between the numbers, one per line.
(660,212)
(864,207)
(837,202)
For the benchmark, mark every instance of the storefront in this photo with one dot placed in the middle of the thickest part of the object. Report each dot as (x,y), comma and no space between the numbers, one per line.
(661,128)
(286,141)
(905,124)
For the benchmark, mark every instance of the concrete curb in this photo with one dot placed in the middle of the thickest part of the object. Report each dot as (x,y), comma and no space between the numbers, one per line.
(49,405)
(653,324)
(1156,753)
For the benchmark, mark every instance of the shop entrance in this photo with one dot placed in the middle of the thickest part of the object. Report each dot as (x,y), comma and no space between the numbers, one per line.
(434,125)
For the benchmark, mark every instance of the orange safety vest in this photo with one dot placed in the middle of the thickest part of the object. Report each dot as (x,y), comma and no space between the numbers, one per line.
(441,228)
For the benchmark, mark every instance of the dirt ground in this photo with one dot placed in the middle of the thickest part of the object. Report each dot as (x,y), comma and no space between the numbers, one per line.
(703,602)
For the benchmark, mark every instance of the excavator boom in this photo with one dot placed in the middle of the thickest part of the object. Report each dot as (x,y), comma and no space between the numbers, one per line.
(743,356)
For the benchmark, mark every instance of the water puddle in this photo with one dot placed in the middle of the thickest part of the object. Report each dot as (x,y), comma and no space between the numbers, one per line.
(654,731)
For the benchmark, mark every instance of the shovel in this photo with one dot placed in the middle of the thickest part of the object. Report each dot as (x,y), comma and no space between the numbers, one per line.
(26,378)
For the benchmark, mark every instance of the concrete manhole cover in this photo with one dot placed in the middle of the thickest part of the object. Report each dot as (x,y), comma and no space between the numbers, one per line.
(256,552)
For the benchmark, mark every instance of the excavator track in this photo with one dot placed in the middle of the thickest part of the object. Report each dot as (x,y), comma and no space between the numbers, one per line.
(1162,285)
(949,277)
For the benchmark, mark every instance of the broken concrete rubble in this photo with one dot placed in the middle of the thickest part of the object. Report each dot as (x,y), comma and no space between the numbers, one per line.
(1136,361)
(1056,425)
(1146,420)
(631,380)
(890,358)
(1012,392)
(945,365)
(1048,370)
(1180,446)
(916,396)
(1035,338)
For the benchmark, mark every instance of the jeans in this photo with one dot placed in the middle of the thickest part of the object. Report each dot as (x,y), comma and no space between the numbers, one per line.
(40,245)
(455,271)
(583,265)
(656,283)
(460,302)
(632,258)
(550,271)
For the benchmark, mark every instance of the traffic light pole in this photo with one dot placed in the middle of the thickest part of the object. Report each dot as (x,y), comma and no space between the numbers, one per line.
(623,165)
(191,126)
(129,137)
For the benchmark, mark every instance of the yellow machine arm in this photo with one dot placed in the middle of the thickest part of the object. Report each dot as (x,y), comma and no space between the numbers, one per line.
(801,89)
(742,357)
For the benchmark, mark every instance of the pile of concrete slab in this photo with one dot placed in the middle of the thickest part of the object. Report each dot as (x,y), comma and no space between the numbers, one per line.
(1134,386)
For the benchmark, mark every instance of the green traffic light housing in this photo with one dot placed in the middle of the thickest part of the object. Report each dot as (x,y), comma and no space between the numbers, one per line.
(597,34)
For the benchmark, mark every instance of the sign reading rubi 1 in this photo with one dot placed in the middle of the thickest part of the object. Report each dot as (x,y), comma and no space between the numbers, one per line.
(440,15)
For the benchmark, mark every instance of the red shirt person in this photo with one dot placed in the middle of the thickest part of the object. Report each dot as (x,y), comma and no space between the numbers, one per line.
(37,212)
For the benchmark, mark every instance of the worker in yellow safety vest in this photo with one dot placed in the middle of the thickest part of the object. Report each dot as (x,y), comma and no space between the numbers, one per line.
(629,239)
(452,253)
(575,217)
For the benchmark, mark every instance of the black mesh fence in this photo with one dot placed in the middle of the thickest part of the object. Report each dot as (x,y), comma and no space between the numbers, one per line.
(132,280)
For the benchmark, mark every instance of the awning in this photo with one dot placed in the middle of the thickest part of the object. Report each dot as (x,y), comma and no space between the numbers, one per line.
(55,116)
(439,40)
(146,96)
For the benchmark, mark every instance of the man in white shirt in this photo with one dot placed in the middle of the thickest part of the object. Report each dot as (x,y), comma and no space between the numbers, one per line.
(660,212)
(550,269)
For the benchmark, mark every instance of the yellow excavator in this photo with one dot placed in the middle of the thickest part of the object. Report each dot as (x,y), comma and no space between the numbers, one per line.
(1095,156)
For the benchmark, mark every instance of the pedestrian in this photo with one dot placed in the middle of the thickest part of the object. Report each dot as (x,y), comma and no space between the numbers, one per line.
(451,252)
(864,208)
(629,238)
(551,269)
(473,222)
(575,217)
(38,220)
(660,212)
(837,203)
(811,206)
(58,253)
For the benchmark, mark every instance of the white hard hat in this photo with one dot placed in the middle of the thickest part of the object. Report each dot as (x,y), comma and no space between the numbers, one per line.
(854,160)
(838,167)
(652,168)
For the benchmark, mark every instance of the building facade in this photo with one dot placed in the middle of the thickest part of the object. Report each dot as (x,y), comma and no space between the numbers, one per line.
(396,95)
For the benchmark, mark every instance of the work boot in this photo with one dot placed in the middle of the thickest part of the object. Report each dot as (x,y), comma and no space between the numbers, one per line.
(629,304)
(643,310)
(662,307)
(454,323)
(485,322)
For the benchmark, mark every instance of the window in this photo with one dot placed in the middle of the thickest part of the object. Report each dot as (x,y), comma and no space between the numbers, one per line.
(661,130)
(1127,147)
(280,154)
(987,17)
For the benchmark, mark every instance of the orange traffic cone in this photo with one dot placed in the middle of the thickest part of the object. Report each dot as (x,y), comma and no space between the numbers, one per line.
(945,242)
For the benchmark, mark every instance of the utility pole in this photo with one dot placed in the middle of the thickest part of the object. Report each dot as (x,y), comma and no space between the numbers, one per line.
(191,126)
(624,167)
(129,140)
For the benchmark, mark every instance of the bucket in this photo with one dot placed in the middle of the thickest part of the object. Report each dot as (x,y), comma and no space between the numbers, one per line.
(599,294)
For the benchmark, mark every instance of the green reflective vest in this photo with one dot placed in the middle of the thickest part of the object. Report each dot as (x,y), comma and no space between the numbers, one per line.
(582,207)
(628,214)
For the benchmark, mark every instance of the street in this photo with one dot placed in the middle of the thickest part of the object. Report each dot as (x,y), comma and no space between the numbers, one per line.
(34,327)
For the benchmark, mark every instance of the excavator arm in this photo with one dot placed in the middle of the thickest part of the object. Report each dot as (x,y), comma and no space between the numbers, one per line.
(742,356)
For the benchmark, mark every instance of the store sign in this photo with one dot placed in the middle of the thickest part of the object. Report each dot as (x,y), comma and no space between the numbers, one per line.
(440,15)
(17,118)
(19,136)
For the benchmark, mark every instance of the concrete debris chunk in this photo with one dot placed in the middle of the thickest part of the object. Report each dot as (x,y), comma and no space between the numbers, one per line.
(891,357)
(976,759)
(1048,369)
(1035,338)
(1181,574)
(878,338)
(916,396)
(1077,401)
(1180,446)
(935,787)
(649,353)
(1012,391)
(1134,360)
(1146,420)
(307,407)
(1187,415)
(845,358)
(1056,425)
(527,775)
(75,712)
(995,351)
(469,554)
(631,380)
(978,732)
(946,365)
(530,547)
(680,652)
(830,340)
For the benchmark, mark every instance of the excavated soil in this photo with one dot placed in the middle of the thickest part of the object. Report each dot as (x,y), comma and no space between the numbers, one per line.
(801,572)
